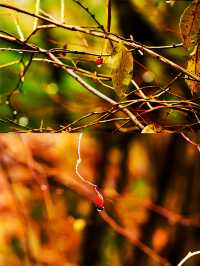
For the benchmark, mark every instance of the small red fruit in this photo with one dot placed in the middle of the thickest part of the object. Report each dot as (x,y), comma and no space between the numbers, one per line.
(99,61)
(99,201)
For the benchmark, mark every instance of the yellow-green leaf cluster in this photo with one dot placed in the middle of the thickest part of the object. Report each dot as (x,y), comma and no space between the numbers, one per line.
(190,24)
(122,67)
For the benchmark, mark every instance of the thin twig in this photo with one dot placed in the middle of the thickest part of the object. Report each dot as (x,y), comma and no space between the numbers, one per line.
(90,14)
(10,64)
(19,30)
(188,256)
(110,36)
(140,92)
(62,11)
(37,8)
(196,145)
(172,217)
(96,92)
(109,10)
(127,234)
(176,45)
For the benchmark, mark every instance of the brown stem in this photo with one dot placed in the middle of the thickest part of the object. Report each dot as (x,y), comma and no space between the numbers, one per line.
(125,233)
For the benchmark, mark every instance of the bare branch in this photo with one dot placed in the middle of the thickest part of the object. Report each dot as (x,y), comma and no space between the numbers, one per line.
(109,10)
(96,92)
(37,8)
(125,233)
(110,36)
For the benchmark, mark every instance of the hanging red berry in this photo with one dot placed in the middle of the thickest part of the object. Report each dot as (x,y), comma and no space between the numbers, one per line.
(99,201)
(99,61)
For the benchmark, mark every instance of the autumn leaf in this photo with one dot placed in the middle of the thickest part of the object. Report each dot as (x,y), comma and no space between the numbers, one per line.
(152,128)
(193,66)
(190,24)
(122,67)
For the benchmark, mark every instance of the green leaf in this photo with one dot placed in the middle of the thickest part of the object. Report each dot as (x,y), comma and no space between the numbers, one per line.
(122,67)
(190,24)
(193,66)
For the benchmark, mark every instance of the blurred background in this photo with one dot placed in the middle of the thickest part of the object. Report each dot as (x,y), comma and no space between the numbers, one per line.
(48,216)
(46,97)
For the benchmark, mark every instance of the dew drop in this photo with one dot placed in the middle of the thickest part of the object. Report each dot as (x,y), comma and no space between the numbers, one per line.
(99,209)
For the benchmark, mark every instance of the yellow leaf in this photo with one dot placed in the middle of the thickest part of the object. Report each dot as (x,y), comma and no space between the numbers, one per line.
(152,128)
(193,66)
(122,67)
(190,24)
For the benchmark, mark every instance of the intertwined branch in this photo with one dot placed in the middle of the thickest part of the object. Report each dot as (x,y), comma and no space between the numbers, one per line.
(130,112)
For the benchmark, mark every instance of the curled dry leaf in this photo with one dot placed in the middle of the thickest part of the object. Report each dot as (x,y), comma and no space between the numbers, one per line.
(152,128)
(193,66)
(190,24)
(122,67)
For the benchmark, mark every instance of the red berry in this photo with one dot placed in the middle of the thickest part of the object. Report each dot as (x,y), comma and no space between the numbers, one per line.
(99,201)
(99,61)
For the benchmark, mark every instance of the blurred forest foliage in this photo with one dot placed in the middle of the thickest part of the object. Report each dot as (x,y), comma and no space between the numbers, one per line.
(38,95)
(151,191)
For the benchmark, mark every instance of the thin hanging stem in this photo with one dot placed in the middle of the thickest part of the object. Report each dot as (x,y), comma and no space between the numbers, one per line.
(189,255)
(98,200)
(79,160)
